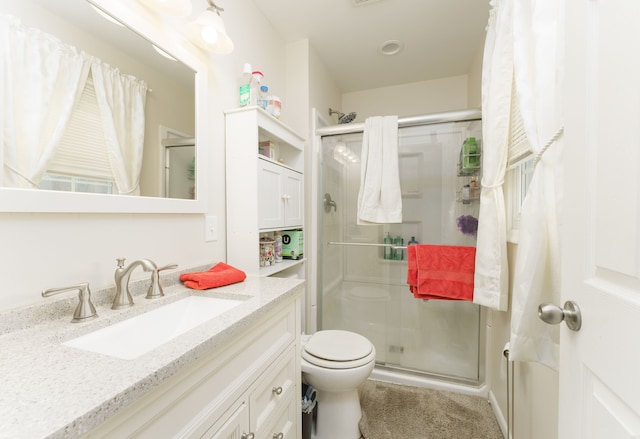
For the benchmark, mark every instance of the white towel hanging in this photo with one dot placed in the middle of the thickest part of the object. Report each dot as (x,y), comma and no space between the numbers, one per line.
(379,197)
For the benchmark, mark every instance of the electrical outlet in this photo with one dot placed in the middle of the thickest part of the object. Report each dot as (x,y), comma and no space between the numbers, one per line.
(210,228)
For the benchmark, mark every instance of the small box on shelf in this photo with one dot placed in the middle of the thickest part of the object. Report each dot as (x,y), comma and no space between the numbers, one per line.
(268,149)
(292,244)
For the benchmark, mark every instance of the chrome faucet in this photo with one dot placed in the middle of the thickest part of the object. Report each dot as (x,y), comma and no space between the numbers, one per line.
(85,309)
(155,289)
(123,297)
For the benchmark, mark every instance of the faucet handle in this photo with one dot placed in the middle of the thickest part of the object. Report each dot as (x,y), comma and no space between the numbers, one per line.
(120,262)
(155,289)
(85,309)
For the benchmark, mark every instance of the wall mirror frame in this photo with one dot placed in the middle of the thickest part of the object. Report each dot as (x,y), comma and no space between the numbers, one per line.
(172,39)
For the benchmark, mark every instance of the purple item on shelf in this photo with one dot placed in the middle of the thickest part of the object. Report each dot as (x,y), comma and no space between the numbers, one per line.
(468,225)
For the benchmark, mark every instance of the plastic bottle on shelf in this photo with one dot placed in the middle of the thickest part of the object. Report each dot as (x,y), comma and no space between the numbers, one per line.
(466,194)
(278,247)
(263,99)
(412,241)
(255,87)
(398,253)
(274,106)
(244,91)
(471,154)
(388,251)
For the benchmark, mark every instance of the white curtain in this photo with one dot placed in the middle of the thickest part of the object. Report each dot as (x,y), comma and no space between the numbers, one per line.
(121,99)
(491,275)
(40,82)
(538,60)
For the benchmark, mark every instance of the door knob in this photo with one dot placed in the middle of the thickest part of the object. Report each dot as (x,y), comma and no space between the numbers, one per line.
(553,314)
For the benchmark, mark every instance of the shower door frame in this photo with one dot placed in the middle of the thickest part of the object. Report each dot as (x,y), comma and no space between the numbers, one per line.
(313,308)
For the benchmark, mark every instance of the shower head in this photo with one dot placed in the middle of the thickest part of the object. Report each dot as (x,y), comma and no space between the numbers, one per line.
(343,118)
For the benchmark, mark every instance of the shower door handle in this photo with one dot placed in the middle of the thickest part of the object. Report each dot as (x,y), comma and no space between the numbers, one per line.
(553,314)
(329,203)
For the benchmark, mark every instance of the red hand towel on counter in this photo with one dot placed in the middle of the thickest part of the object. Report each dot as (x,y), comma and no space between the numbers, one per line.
(219,275)
(441,271)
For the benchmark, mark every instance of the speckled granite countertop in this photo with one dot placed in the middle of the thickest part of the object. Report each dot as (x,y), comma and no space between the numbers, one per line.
(49,390)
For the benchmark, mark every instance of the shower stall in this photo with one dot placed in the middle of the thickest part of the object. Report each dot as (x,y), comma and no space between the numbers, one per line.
(361,279)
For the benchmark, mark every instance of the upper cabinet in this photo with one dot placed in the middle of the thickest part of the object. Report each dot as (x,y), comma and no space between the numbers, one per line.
(265,185)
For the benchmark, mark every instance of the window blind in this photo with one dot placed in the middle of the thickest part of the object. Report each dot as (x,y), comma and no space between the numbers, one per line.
(83,148)
(519,150)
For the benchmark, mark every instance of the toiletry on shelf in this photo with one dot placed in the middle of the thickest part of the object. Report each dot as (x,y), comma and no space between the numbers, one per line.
(244,91)
(267,251)
(278,246)
(470,155)
(255,87)
(473,189)
(398,253)
(466,194)
(263,99)
(388,251)
(292,244)
(412,241)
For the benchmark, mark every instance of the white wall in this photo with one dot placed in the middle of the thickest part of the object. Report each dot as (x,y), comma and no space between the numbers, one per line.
(418,98)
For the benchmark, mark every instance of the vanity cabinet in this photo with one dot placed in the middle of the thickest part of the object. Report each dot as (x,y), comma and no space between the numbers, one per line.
(250,384)
(265,194)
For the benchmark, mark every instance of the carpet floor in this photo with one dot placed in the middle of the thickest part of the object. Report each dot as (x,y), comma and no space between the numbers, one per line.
(392,411)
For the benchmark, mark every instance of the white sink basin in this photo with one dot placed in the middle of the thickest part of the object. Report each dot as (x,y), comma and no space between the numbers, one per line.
(138,335)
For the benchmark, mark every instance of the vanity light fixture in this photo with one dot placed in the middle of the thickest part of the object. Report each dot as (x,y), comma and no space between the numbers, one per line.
(208,31)
(178,8)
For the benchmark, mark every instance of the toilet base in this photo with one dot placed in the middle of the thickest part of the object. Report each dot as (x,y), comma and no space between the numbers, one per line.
(338,415)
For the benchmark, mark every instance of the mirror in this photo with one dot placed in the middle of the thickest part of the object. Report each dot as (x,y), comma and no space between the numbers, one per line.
(169,108)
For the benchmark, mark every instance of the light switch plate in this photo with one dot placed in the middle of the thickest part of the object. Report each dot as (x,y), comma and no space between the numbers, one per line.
(210,228)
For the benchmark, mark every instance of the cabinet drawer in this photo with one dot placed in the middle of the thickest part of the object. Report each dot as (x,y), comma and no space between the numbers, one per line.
(286,422)
(273,390)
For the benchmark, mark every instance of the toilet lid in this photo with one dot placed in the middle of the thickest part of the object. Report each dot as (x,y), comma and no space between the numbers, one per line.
(336,346)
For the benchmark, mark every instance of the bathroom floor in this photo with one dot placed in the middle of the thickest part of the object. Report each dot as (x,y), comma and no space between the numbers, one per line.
(392,411)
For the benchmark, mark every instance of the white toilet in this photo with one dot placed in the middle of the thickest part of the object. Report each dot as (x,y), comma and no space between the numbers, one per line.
(336,363)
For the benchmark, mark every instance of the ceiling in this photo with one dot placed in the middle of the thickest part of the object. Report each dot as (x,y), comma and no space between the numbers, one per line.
(440,37)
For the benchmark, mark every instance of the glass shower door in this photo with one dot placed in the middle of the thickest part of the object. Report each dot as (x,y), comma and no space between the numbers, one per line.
(364,289)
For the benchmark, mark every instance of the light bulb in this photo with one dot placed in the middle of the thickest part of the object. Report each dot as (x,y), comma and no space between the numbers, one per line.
(209,34)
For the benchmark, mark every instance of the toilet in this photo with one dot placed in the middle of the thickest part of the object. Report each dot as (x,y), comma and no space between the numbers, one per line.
(336,363)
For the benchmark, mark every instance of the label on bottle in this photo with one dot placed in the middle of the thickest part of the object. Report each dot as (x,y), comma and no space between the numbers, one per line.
(245,94)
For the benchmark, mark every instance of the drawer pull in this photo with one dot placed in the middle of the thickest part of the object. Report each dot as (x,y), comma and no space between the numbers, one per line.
(278,435)
(248,436)
(277,391)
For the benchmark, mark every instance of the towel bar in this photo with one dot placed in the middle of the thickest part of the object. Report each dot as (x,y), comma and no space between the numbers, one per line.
(364,244)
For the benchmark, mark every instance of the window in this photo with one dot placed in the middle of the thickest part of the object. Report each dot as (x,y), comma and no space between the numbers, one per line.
(81,163)
(520,164)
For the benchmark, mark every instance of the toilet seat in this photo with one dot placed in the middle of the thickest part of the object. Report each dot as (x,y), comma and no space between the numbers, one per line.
(336,349)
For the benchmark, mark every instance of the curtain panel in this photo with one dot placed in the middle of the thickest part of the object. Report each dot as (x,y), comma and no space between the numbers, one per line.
(41,80)
(491,274)
(538,61)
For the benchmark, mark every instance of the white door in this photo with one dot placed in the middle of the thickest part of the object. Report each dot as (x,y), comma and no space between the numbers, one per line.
(600,364)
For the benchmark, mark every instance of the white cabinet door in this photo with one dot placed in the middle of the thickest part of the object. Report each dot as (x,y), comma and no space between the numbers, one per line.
(280,198)
(270,191)
(293,205)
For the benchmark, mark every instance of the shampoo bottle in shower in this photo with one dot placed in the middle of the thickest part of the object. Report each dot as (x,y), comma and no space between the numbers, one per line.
(398,253)
(387,250)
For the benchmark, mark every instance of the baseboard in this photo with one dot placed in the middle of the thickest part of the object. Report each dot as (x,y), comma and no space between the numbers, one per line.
(502,422)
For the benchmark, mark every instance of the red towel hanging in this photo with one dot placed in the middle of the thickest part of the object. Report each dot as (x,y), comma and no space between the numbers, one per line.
(441,271)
